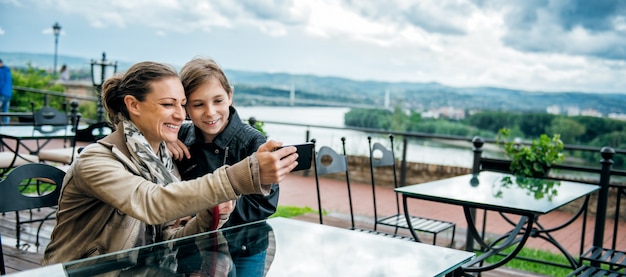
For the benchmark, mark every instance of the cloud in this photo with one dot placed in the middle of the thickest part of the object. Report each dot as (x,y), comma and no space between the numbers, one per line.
(1,31)
(577,27)
(444,17)
(534,44)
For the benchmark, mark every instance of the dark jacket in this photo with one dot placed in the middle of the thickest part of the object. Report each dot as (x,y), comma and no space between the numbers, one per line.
(236,142)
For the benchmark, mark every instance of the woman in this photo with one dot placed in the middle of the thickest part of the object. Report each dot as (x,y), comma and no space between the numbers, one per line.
(124,191)
(218,137)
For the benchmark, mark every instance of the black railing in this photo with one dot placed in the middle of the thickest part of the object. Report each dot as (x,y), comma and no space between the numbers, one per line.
(48,93)
(428,136)
(70,101)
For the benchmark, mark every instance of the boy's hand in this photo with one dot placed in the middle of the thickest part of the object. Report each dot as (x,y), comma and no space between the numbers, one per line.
(178,150)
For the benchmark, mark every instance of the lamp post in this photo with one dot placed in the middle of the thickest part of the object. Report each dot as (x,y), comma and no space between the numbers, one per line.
(56,29)
(98,76)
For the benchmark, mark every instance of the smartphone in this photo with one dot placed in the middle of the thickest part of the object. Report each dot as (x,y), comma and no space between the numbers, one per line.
(305,155)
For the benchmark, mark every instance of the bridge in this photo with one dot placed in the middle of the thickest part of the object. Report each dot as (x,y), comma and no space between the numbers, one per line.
(290,99)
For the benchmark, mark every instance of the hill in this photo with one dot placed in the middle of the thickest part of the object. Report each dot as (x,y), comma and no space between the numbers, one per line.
(272,88)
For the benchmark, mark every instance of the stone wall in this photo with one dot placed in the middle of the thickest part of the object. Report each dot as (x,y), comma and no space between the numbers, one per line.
(416,172)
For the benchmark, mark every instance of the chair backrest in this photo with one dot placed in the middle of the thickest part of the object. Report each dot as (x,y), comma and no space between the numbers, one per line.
(49,116)
(11,199)
(327,161)
(381,156)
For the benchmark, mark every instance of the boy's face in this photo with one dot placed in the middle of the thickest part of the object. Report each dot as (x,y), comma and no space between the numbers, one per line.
(208,108)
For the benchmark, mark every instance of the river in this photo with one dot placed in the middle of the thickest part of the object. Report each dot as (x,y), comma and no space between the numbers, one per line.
(424,151)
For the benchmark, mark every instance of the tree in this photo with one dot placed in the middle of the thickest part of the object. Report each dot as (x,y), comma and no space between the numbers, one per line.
(535,124)
(32,77)
(569,129)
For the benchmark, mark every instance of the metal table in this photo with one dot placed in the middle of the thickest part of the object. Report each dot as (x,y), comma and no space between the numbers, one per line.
(527,197)
(289,247)
(22,133)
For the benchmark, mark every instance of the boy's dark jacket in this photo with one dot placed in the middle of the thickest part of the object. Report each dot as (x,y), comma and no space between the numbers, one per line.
(237,141)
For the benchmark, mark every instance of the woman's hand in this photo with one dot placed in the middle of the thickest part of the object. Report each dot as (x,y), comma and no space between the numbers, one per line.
(226,208)
(178,150)
(275,162)
(181,221)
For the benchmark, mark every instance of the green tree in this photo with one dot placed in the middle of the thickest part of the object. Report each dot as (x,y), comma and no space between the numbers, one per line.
(569,129)
(616,140)
(399,120)
(535,124)
(32,77)
(369,118)
(492,121)
(596,126)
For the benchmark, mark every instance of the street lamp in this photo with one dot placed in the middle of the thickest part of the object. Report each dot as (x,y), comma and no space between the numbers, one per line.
(100,71)
(56,29)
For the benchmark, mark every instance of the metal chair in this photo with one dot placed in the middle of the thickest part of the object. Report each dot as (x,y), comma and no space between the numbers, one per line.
(66,155)
(599,260)
(12,200)
(382,157)
(327,161)
(46,119)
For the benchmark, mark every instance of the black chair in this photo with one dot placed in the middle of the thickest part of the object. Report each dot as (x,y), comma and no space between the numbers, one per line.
(48,119)
(12,200)
(66,155)
(599,260)
(327,161)
(382,157)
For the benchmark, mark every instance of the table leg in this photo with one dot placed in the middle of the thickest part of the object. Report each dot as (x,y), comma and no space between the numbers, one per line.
(545,233)
(502,243)
(408,218)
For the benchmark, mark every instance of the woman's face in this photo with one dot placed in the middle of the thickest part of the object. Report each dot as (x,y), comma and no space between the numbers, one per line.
(162,112)
(208,108)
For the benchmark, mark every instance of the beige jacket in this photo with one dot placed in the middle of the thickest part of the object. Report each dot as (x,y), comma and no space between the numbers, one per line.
(104,200)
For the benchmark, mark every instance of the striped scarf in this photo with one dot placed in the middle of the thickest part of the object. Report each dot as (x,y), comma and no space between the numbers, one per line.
(155,168)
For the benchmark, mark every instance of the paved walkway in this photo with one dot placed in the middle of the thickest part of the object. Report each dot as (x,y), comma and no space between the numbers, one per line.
(299,190)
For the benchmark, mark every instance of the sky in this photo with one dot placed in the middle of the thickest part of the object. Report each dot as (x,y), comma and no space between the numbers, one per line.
(535,45)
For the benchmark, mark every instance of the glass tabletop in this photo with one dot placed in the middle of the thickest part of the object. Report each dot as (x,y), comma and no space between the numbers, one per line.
(276,247)
(34,132)
(502,192)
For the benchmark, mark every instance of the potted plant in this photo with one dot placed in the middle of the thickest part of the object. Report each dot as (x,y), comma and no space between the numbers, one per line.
(534,160)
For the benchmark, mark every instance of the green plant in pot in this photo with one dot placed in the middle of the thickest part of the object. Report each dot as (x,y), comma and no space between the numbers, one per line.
(534,160)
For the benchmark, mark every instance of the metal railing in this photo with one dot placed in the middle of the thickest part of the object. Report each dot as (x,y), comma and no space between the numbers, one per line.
(73,104)
(48,93)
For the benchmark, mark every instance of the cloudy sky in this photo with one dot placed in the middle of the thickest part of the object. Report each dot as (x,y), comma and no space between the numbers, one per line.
(542,45)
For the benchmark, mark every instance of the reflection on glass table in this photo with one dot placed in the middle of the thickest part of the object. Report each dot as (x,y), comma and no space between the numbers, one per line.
(276,247)
(525,197)
(536,187)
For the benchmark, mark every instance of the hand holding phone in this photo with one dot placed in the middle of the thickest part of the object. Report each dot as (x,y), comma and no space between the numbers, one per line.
(305,155)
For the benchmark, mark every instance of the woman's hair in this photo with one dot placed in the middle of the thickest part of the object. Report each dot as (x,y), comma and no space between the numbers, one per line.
(136,82)
(199,71)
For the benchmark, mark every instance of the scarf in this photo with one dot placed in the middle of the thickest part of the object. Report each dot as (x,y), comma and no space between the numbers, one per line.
(156,168)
